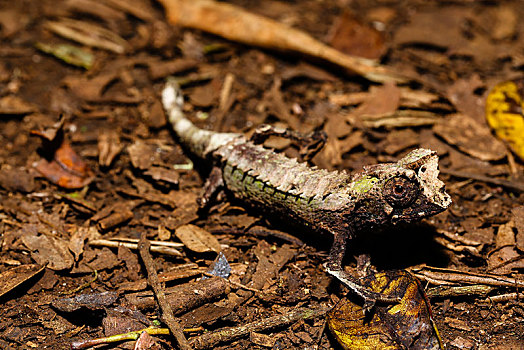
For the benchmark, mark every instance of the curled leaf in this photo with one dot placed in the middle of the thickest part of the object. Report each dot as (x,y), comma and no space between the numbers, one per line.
(62,166)
(67,169)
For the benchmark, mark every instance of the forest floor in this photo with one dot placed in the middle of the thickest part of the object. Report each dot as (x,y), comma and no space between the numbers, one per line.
(88,162)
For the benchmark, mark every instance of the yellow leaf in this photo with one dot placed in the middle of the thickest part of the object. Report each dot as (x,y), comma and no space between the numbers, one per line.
(505,114)
(405,325)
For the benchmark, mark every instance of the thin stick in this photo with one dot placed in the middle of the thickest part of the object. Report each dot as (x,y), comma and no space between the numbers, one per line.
(134,335)
(211,339)
(442,276)
(161,249)
(504,297)
(152,280)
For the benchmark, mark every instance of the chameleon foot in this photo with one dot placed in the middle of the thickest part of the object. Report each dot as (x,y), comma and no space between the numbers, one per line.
(370,297)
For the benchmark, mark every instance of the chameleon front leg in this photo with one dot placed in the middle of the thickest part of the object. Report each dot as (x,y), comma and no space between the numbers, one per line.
(214,183)
(334,267)
(310,144)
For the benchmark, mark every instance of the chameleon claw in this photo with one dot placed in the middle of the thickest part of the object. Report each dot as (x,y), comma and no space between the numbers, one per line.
(369,304)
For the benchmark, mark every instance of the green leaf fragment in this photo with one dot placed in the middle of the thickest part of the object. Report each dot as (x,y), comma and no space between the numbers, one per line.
(70,54)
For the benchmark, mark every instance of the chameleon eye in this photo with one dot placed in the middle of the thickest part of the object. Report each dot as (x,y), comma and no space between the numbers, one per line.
(400,192)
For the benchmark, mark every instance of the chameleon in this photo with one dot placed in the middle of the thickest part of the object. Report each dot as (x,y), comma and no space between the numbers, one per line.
(337,202)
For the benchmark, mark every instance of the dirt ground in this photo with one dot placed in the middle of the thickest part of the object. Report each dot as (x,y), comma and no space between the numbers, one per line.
(88,163)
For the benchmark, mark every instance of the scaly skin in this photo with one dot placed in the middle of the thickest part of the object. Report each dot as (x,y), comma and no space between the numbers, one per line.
(337,202)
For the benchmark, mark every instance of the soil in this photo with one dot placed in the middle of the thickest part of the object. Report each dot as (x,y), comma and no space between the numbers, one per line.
(88,159)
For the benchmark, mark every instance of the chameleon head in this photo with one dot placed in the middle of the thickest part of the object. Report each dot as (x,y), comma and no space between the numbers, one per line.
(407,190)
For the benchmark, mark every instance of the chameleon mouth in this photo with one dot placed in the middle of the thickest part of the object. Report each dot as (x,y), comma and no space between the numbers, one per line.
(433,189)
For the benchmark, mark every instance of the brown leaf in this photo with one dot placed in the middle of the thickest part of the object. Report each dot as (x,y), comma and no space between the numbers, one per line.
(153,114)
(142,155)
(158,173)
(45,249)
(14,105)
(204,96)
(471,137)
(381,100)
(90,89)
(353,37)
(397,141)
(146,342)
(438,27)
(50,132)
(17,179)
(506,22)
(99,259)
(461,94)
(505,257)
(12,278)
(78,238)
(13,20)
(197,239)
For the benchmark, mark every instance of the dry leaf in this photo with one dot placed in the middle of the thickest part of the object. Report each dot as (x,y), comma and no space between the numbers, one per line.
(47,250)
(353,37)
(237,24)
(67,169)
(14,105)
(12,278)
(197,239)
(470,137)
(142,154)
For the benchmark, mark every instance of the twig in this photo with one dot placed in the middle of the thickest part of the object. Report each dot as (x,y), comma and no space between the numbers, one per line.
(504,297)
(512,185)
(152,280)
(441,276)
(209,340)
(459,291)
(134,335)
(161,249)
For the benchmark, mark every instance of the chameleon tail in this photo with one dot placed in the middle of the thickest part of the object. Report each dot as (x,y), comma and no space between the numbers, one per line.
(201,142)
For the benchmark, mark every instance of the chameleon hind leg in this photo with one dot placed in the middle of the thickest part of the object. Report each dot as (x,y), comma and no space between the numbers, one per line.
(334,267)
(309,144)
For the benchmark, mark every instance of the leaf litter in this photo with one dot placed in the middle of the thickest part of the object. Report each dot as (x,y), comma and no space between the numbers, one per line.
(133,178)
